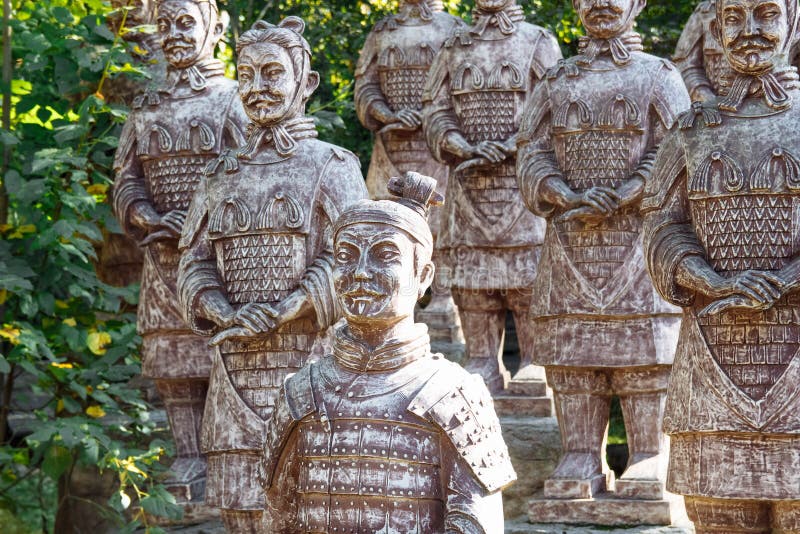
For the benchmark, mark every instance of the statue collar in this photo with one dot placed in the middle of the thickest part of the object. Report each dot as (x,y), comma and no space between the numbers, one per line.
(392,354)
(619,47)
(282,138)
(773,87)
(411,15)
(505,20)
(196,76)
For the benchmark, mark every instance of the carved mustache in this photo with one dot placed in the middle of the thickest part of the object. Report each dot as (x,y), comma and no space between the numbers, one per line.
(262,97)
(171,44)
(363,290)
(605,11)
(749,43)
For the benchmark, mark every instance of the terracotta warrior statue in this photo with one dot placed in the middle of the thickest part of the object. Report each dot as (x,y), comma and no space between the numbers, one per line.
(169,138)
(381,435)
(390,77)
(586,149)
(721,230)
(120,259)
(489,241)
(257,258)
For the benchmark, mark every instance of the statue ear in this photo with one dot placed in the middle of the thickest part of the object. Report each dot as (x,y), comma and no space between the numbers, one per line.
(293,23)
(312,83)
(425,278)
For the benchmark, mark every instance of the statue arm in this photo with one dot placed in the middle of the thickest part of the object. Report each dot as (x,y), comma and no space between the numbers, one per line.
(131,202)
(439,120)
(200,290)
(673,252)
(540,179)
(689,55)
(371,107)
(470,508)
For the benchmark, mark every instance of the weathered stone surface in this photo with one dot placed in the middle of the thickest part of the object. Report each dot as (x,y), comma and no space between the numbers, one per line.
(488,242)
(721,231)
(534,445)
(522,526)
(585,151)
(382,435)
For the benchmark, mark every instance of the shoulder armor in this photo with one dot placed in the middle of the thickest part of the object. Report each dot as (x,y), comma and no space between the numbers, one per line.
(387,23)
(569,67)
(300,393)
(461,36)
(706,6)
(465,413)
(709,116)
(227,158)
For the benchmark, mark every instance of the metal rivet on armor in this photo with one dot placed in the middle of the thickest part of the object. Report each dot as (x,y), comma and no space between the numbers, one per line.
(354,450)
(619,97)
(365,450)
(422,493)
(383,451)
(337,389)
(386,415)
(369,426)
(415,457)
(335,449)
(405,456)
(340,414)
(716,155)
(394,492)
(363,489)
(337,461)
(400,416)
(350,394)
(409,493)
(382,465)
(371,488)
(778,152)
(353,464)
(374,451)
(369,414)
(358,414)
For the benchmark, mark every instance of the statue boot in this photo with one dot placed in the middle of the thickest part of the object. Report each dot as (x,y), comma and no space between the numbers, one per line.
(484,332)
(184,401)
(645,475)
(528,372)
(582,407)
(243,521)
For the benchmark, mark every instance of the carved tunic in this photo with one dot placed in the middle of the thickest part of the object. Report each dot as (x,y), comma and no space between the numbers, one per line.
(166,143)
(392,70)
(478,85)
(386,442)
(259,227)
(730,193)
(592,125)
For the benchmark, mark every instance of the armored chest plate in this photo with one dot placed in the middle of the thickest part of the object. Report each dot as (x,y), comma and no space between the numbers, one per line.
(172,180)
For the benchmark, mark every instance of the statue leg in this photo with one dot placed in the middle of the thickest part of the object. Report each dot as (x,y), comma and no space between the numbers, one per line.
(583,403)
(642,393)
(728,516)
(483,321)
(520,303)
(243,521)
(786,517)
(184,400)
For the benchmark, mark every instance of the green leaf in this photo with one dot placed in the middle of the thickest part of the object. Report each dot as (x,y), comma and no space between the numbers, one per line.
(57,460)
(161,503)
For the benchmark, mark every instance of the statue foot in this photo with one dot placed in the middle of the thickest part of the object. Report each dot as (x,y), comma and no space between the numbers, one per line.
(579,475)
(644,478)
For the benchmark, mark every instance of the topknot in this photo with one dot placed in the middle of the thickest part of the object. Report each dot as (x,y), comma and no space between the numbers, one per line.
(416,192)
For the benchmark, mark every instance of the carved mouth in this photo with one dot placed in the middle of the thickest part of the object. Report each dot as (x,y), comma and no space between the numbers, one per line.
(360,299)
(178,47)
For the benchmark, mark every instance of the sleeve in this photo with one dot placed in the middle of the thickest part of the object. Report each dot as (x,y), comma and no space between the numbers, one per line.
(470,509)
(129,185)
(547,54)
(341,185)
(669,237)
(536,159)
(368,90)
(438,116)
(689,52)
(197,270)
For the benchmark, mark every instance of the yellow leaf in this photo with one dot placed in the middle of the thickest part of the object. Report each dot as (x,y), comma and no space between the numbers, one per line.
(27,229)
(70,321)
(6,227)
(98,341)
(97,189)
(130,465)
(15,235)
(140,51)
(95,411)
(3,296)
(60,406)
(61,304)
(62,365)
(10,333)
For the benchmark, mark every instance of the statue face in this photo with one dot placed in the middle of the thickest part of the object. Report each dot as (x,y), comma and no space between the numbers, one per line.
(606,18)
(184,35)
(266,82)
(752,33)
(374,277)
(492,5)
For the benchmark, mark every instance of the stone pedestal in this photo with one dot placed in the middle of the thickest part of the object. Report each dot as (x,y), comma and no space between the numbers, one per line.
(194,513)
(525,398)
(534,445)
(522,526)
(608,509)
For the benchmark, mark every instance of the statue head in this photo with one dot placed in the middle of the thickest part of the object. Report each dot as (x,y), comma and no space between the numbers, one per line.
(274,66)
(491,6)
(382,252)
(756,35)
(605,19)
(189,30)
(139,13)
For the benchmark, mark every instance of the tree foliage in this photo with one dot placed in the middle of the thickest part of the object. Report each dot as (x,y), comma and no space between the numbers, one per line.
(68,346)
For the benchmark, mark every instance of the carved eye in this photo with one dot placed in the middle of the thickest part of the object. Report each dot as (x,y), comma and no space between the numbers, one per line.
(343,255)
(387,253)
(163,25)
(245,75)
(770,13)
(274,72)
(186,22)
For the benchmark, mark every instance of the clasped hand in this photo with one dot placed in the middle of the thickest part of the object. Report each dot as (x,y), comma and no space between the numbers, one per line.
(755,290)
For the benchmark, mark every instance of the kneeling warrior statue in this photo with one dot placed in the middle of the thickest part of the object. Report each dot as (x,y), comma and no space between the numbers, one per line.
(169,138)
(490,243)
(586,149)
(257,255)
(722,232)
(382,435)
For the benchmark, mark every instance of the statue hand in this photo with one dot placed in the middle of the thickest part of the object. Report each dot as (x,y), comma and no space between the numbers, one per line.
(493,151)
(410,118)
(762,288)
(703,94)
(172,223)
(257,317)
(604,200)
